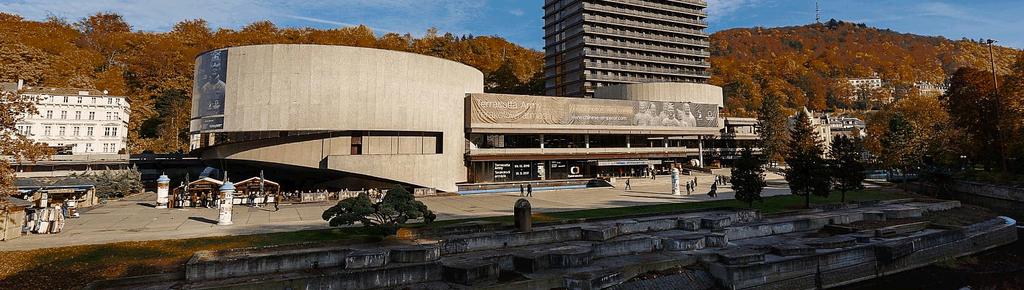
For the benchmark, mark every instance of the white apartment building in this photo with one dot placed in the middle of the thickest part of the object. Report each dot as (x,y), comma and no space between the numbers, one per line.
(76,121)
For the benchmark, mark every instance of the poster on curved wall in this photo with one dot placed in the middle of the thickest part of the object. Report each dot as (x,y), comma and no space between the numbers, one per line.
(209,89)
(517,109)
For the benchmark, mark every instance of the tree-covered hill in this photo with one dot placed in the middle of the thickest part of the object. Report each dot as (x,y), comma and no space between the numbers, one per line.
(804,65)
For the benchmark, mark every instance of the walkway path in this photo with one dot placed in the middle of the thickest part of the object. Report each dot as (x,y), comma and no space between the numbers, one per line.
(138,221)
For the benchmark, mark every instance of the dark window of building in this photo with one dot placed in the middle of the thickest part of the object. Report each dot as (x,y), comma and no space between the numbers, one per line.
(357,144)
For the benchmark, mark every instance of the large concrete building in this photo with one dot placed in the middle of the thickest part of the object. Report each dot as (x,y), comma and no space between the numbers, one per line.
(595,43)
(335,116)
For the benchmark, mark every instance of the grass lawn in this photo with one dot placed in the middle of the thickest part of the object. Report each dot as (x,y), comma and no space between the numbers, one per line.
(75,266)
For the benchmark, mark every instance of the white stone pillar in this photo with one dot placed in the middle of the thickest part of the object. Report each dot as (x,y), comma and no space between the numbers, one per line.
(163,186)
(700,149)
(675,181)
(586,139)
(228,192)
(541,141)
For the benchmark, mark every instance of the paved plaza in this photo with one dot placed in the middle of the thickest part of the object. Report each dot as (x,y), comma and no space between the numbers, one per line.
(137,220)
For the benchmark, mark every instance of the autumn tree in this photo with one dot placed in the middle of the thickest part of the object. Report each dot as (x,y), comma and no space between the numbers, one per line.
(847,167)
(900,150)
(773,135)
(973,105)
(13,144)
(747,178)
(808,173)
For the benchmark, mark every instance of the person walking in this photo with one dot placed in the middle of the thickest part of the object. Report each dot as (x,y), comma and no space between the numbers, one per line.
(522,190)
(627,184)
(688,188)
(714,190)
(277,201)
(529,190)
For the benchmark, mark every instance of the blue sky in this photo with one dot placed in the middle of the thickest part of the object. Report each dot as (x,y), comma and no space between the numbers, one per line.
(520,20)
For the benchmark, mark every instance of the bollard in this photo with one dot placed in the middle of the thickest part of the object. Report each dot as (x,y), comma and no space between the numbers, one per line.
(522,213)
(163,185)
(228,192)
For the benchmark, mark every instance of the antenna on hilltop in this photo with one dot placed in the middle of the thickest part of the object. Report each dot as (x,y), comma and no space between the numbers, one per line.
(817,13)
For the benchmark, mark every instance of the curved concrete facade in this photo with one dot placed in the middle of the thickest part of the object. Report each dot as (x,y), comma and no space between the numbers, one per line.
(291,88)
(663,92)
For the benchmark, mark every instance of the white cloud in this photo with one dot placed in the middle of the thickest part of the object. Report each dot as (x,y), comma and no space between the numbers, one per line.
(517,12)
(721,9)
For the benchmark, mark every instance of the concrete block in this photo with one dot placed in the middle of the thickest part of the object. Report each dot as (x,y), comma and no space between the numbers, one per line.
(416,253)
(570,256)
(786,250)
(716,240)
(530,261)
(839,229)
(747,216)
(689,242)
(599,233)
(874,216)
(360,259)
(643,244)
(689,223)
(589,281)
(833,242)
(715,223)
(902,212)
(892,231)
(469,272)
(740,256)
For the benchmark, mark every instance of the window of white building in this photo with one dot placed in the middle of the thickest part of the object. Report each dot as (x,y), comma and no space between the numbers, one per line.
(49,114)
(46,130)
(92,115)
(78,115)
(60,131)
(63,115)
(88,131)
(75,130)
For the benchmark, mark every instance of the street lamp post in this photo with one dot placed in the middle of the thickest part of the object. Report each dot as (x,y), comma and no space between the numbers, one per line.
(999,105)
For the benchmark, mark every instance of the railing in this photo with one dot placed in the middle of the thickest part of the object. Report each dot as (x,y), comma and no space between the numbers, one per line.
(635,13)
(645,57)
(646,36)
(599,77)
(641,24)
(653,48)
(581,151)
(682,72)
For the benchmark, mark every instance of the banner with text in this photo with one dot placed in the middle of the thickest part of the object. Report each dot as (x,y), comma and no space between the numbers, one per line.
(515,109)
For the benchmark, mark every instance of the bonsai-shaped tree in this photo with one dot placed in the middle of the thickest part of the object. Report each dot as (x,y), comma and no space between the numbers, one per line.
(847,167)
(748,178)
(397,207)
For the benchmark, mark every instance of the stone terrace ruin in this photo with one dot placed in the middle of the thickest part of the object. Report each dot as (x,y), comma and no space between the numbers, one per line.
(734,249)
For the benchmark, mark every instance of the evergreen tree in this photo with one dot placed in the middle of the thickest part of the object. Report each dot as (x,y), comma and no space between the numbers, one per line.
(847,166)
(748,178)
(771,129)
(808,172)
